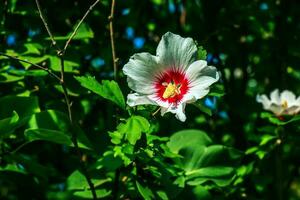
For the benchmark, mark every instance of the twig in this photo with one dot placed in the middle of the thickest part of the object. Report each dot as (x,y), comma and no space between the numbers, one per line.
(61,54)
(111,30)
(115,61)
(46,25)
(33,64)
(78,25)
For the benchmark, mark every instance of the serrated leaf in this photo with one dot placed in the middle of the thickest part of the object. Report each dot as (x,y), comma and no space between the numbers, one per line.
(107,89)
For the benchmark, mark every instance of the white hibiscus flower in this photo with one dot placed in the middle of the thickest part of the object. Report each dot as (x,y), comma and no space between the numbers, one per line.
(172,78)
(284,103)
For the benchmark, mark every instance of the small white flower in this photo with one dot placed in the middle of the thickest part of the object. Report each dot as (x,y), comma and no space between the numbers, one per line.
(280,104)
(172,78)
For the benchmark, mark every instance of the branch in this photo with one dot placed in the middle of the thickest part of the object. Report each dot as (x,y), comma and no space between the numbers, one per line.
(115,61)
(61,54)
(46,25)
(33,64)
(78,25)
(111,30)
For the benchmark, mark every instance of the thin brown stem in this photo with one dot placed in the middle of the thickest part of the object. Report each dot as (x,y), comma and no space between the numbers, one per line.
(46,25)
(61,54)
(112,41)
(78,25)
(115,62)
(33,64)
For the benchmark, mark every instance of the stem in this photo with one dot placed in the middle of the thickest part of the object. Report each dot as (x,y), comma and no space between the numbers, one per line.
(46,25)
(278,163)
(78,25)
(116,184)
(115,62)
(61,54)
(279,183)
(33,64)
(111,30)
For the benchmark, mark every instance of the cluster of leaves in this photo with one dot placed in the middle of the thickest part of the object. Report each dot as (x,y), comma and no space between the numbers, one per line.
(129,153)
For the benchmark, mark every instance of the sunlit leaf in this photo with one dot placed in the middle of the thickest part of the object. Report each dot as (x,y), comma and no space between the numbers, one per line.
(107,89)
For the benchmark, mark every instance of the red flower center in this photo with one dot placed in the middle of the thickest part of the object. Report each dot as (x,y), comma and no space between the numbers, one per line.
(171,86)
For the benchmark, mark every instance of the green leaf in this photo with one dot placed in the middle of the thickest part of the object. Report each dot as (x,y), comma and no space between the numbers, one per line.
(221,175)
(201,160)
(77,181)
(32,59)
(32,48)
(217,90)
(87,194)
(56,122)
(201,53)
(202,107)
(107,89)
(7,125)
(8,78)
(24,106)
(109,161)
(133,128)
(266,138)
(145,192)
(278,121)
(28,72)
(70,66)
(48,135)
(83,32)
(201,193)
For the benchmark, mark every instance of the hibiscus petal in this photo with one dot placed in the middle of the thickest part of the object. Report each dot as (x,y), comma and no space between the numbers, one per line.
(136,99)
(200,77)
(177,110)
(199,74)
(141,71)
(275,98)
(176,52)
(288,96)
(264,100)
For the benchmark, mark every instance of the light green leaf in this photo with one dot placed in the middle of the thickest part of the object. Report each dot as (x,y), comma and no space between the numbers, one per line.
(84,32)
(133,128)
(201,53)
(107,89)
(145,192)
(7,78)
(28,72)
(77,181)
(70,66)
(87,194)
